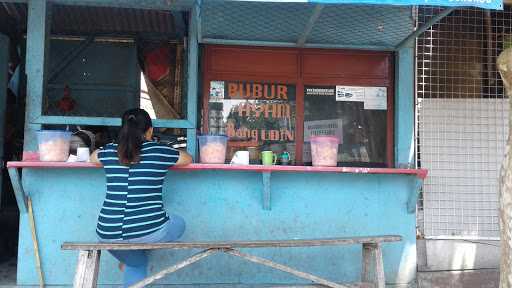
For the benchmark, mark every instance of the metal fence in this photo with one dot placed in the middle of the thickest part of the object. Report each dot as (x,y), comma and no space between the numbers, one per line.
(461,122)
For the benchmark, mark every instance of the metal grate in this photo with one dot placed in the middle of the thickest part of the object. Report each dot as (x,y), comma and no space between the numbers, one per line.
(285,23)
(462,115)
(355,24)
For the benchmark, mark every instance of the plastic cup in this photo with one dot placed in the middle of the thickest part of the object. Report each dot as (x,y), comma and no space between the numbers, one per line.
(53,145)
(212,149)
(268,158)
(324,150)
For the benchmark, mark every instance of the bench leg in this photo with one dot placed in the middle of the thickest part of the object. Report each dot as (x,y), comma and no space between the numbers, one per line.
(372,260)
(86,275)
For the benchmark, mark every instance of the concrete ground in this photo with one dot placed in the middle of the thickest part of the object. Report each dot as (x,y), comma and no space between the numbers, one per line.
(484,278)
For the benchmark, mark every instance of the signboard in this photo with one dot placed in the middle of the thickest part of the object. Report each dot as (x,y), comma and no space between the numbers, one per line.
(252,111)
(486,4)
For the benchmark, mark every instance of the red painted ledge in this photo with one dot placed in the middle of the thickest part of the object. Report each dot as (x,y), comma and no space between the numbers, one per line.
(420,173)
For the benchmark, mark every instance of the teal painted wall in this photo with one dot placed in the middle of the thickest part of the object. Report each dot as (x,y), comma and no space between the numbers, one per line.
(227,205)
(404,108)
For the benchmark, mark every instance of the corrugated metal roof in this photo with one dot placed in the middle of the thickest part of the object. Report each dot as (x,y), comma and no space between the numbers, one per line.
(91,20)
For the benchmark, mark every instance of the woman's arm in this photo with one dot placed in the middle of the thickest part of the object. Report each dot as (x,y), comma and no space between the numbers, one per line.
(94,157)
(184,159)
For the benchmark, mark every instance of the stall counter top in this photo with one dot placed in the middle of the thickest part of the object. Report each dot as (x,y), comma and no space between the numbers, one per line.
(420,173)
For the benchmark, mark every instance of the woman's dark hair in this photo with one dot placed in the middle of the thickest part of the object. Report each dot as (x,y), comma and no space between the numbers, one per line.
(135,124)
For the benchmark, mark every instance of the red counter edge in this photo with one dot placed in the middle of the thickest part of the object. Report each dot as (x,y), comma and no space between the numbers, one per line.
(420,173)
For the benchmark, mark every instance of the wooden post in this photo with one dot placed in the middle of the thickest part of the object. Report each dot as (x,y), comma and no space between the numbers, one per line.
(366,269)
(86,275)
(380,278)
(504,64)
(373,265)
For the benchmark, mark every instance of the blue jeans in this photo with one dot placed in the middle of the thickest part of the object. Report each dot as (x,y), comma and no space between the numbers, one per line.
(136,261)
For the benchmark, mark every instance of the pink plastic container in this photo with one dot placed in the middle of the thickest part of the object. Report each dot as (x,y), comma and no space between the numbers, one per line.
(324,150)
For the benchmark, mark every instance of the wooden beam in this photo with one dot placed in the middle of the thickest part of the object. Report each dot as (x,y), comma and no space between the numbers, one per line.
(310,24)
(175,268)
(284,268)
(234,244)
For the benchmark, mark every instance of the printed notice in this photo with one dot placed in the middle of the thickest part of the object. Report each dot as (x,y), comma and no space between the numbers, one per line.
(332,127)
(375,98)
(350,93)
(216,91)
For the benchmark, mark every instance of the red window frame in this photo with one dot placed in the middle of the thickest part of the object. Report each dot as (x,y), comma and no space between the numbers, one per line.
(299,77)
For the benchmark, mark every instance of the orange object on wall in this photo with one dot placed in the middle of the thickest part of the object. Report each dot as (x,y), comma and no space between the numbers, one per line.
(157,63)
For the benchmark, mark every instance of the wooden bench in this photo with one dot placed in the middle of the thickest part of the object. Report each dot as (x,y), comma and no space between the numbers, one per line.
(372,272)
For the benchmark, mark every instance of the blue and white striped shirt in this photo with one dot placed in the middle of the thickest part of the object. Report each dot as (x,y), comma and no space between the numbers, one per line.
(133,205)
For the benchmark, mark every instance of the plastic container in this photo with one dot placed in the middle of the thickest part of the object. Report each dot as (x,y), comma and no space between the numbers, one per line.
(324,150)
(212,149)
(53,145)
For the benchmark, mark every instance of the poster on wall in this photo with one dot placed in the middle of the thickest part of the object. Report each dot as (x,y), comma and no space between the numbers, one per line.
(350,93)
(374,98)
(253,114)
(216,91)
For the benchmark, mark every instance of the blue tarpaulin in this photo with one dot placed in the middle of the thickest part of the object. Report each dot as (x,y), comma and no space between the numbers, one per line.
(487,4)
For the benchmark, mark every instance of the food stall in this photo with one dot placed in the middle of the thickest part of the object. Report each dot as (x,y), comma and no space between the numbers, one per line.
(270,76)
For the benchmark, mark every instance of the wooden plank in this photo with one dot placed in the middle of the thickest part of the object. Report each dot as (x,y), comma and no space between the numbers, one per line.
(35,242)
(174,268)
(232,244)
(366,267)
(86,275)
(284,268)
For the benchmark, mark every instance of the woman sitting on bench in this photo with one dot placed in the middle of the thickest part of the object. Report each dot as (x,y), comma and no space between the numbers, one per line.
(133,211)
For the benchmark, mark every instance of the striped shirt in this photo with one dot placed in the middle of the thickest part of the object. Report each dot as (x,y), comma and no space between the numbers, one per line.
(133,205)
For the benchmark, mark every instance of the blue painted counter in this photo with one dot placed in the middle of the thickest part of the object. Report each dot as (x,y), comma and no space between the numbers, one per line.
(227,205)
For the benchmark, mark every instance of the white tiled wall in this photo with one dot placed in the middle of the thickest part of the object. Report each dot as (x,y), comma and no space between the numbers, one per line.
(461,143)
